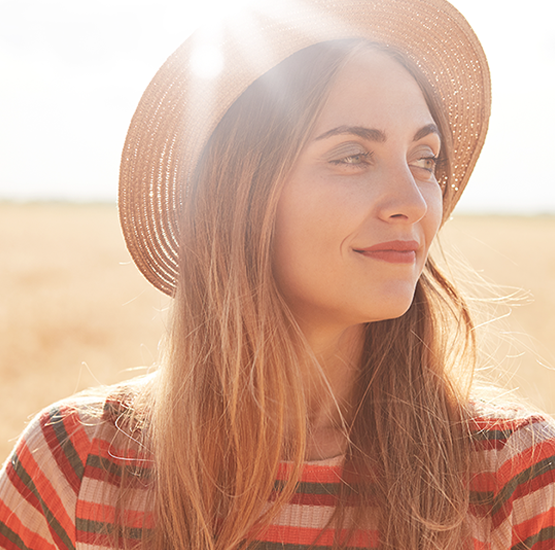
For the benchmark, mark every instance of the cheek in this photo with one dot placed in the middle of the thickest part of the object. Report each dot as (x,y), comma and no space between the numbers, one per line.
(313,218)
(434,214)
(287,239)
(307,238)
(294,238)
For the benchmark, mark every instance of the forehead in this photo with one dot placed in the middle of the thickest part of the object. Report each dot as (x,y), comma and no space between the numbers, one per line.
(369,89)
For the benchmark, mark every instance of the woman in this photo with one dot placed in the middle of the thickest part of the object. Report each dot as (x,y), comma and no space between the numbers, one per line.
(314,391)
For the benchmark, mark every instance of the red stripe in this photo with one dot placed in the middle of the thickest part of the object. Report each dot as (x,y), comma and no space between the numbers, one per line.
(484,424)
(534,485)
(79,436)
(45,489)
(22,489)
(484,445)
(284,534)
(8,544)
(93,538)
(544,545)
(523,460)
(105,474)
(480,545)
(522,490)
(102,475)
(311,473)
(106,514)
(321,474)
(107,450)
(57,448)
(484,481)
(507,428)
(28,537)
(533,526)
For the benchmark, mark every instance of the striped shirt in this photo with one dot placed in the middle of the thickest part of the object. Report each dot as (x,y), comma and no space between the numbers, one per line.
(59,487)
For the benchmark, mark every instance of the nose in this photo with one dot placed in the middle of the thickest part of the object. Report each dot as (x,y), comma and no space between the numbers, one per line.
(401,199)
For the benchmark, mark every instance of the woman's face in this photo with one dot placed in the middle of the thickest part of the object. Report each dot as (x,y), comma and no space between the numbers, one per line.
(362,205)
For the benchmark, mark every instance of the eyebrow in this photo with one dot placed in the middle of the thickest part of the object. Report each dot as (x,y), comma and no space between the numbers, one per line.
(425,131)
(369,134)
(372,134)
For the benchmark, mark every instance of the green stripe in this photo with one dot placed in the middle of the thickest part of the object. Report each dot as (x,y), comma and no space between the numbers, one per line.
(526,476)
(102,528)
(492,435)
(105,464)
(50,517)
(66,444)
(307,488)
(111,467)
(481,498)
(545,534)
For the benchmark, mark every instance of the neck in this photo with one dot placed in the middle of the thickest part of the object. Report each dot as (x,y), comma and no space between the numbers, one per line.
(329,386)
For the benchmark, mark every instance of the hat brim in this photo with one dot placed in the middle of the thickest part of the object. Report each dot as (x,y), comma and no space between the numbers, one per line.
(180,109)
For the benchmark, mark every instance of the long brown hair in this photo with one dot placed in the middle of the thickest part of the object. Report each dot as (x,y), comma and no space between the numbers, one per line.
(229,403)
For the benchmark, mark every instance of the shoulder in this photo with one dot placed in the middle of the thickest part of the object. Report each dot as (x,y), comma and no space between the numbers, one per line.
(515,448)
(68,443)
(66,430)
(514,476)
(56,440)
(511,430)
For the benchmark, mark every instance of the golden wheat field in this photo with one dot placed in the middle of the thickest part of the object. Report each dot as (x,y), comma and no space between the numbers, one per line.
(75,312)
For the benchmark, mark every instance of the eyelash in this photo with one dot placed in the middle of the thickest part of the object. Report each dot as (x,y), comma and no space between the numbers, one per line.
(366,156)
(346,162)
(434,159)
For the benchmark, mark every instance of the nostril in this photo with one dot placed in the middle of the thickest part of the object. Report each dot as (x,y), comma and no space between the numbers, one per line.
(398,216)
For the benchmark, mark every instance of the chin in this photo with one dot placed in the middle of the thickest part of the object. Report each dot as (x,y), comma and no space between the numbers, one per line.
(393,309)
(397,314)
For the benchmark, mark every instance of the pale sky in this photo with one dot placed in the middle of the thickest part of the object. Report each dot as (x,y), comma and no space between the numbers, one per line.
(72,73)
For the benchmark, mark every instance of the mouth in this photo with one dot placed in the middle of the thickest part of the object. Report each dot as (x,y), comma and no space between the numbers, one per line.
(394,252)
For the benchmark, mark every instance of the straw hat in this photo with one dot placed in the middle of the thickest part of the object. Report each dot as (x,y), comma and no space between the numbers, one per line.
(198,83)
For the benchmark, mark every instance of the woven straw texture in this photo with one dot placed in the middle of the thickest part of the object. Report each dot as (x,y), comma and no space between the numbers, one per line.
(179,111)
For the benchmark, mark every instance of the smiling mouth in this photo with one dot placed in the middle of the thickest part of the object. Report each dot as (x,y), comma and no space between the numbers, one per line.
(394,252)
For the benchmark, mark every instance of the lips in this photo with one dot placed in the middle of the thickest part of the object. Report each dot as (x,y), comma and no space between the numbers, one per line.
(395,252)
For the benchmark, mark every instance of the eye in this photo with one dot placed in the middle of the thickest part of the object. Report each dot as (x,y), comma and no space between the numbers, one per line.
(353,160)
(350,154)
(427,163)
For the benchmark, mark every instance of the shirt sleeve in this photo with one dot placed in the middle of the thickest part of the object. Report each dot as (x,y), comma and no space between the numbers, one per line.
(526,481)
(40,481)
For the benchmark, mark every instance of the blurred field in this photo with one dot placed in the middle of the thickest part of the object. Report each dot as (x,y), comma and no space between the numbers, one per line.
(517,255)
(75,312)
